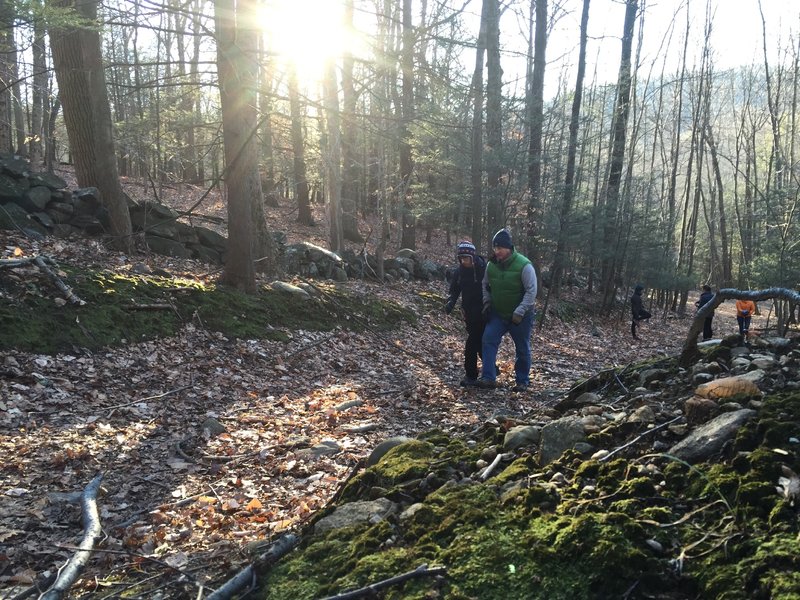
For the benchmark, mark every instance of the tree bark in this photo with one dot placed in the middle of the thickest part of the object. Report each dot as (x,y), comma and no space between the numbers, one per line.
(301,192)
(408,218)
(333,160)
(87,115)
(612,191)
(536,118)
(476,153)
(238,74)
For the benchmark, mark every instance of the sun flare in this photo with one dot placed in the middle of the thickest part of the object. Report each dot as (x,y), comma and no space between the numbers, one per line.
(305,33)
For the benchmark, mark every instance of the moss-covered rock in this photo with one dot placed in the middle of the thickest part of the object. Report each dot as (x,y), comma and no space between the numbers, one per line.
(124,307)
(659,528)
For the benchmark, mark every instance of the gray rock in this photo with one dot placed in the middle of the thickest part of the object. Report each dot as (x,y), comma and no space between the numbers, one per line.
(288,288)
(707,440)
(764,362)
(166,247)
(650,375)
(355,513)
(36,198)
(381,449)
(210,238)
(520,436)
(339,274)
(406,253)
(49,180)
(559,436)
(213,427)
(324,448)
(588,398)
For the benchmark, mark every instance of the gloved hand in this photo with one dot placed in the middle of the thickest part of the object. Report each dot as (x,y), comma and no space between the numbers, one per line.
(516,319)
(487,308)
(448,308)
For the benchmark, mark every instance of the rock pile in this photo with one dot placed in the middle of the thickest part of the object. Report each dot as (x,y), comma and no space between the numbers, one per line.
(39,204)
(624,474)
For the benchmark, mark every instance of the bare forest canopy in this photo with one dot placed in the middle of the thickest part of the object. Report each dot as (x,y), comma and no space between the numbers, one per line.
(620,145)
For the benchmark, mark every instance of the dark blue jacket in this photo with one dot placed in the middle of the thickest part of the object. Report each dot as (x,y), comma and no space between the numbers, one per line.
(467,283)
(705,298)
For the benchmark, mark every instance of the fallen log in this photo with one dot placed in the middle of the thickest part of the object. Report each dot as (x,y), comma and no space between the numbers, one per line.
(91,531)
(690,353)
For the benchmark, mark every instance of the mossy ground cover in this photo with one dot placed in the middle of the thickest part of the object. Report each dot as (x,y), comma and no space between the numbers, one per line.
(652,527)
(123,308)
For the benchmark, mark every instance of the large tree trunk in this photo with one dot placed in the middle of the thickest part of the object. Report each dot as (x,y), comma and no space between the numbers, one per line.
(238,74)
(300,178)
(476,153)
(494,133)
(408,219)
(350,174)
(333,160)
(87,115)
(6,74)
(536,118)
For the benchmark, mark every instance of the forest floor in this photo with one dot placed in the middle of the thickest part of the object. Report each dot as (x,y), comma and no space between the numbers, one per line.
(182,503)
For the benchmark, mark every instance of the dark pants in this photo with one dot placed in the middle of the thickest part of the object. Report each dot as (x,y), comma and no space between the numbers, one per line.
(707,333)
(643,316)
(744,325)
(472,347)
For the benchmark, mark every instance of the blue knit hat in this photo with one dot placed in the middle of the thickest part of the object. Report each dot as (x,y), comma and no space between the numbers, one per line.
(502,239)
(465,248)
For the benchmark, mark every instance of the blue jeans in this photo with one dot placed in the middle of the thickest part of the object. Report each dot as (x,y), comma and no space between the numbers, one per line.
(496,328)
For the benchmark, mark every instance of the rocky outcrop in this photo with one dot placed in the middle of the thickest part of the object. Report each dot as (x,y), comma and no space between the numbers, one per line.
(39,204)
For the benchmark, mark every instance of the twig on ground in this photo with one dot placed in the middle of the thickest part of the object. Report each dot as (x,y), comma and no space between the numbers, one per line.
(371,590)
(247,576)
(639,437)
(156,397)
(487,472)
(91,531)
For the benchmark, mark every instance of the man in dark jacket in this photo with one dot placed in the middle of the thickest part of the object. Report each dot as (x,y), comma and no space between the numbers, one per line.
(638,313)
(705,298)
(466,283)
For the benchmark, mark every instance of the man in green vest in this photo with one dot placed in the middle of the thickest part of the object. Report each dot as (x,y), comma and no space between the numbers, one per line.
(509,293)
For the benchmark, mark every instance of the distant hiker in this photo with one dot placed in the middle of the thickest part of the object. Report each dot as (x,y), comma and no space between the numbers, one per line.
(744,312)
(705,298)
(467,283)
(509,293)
(638,313)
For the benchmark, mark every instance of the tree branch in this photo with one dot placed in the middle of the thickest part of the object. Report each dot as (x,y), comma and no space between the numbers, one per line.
(91,531)
(371,590)
(690,352)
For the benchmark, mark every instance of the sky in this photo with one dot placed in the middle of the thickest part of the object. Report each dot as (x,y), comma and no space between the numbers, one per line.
(736,35)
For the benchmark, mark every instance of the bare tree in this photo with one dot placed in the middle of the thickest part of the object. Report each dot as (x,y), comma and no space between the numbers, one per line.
(237,44)
(87,115)
(619,136)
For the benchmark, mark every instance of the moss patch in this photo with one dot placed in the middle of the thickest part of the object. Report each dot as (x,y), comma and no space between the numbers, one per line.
(670,530)
(123,308)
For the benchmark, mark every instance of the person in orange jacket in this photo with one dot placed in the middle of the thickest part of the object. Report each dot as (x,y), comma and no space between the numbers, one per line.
(744,312)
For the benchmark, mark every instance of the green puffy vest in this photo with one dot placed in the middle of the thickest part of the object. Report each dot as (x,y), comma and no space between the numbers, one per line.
(505,284)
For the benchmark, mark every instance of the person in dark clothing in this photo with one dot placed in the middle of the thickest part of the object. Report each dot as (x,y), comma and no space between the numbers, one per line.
(638,313)
(705,298)
(466,282)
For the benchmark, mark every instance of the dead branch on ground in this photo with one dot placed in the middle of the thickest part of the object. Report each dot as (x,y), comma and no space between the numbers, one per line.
(247,576)
(371,590)
(91,531)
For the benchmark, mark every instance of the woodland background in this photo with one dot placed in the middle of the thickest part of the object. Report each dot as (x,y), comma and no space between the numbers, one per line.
(672,173)
(676,173)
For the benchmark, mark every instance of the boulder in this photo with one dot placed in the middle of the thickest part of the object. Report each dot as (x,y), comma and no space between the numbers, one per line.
(709,439)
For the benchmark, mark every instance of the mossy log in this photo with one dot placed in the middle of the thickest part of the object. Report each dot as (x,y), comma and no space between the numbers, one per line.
(690,353)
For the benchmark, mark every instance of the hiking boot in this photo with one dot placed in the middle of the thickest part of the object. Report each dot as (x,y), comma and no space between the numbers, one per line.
(469,382)
(487,384)
(520,387)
